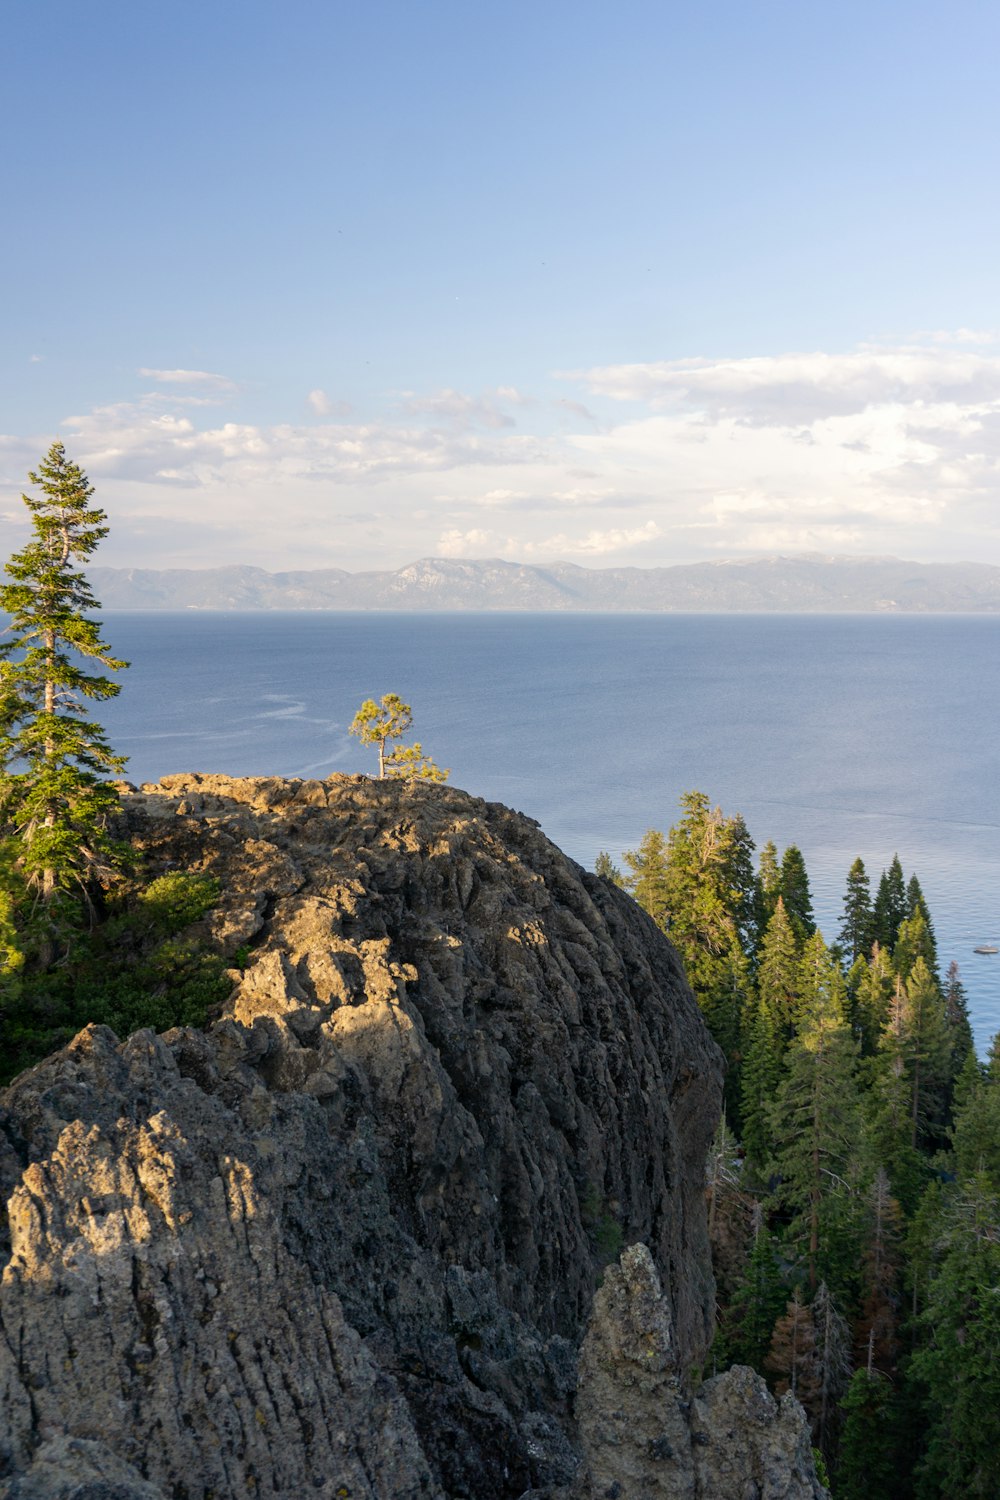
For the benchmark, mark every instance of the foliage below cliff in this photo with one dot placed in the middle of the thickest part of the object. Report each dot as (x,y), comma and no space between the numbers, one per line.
(855,1186)
(139,961)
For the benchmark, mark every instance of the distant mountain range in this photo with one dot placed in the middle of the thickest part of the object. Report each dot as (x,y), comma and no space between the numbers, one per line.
(808,584)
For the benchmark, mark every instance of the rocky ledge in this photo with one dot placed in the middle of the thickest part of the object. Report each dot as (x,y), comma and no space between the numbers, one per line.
(346,1241)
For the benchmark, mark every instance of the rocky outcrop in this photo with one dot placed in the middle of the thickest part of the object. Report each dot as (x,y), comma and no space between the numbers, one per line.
(345,1240)
(646,1436)
(152,1304)
(66,1468)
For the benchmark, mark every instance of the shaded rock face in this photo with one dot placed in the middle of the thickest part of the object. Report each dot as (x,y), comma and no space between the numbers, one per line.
(345,1241)
(66,1468)
(644,1437)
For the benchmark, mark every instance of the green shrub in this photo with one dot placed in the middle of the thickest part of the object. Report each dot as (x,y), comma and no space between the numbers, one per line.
(137,968)
(176,900)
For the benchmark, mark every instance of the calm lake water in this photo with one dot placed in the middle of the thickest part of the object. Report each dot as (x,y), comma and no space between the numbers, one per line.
(845,735)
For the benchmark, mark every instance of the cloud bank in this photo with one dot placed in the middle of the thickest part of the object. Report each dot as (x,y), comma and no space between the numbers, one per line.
(882,449)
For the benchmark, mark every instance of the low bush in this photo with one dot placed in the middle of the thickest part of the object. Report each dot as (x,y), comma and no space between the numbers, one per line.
(138,966)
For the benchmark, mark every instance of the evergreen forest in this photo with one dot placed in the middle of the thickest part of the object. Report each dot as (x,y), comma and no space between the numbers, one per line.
(854,1183)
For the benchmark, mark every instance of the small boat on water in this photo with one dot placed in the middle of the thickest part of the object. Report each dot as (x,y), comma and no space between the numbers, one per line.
(986,948)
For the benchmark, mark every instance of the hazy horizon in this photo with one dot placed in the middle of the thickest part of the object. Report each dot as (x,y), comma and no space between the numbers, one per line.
(733,561)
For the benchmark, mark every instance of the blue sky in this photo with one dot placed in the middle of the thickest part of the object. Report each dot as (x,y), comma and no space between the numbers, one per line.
(347,284)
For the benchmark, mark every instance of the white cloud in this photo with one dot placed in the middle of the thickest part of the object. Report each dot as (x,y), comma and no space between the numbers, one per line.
(588,497)
(957,336)
(199,378)
(550,498)
(456,543)
(325,406)
(143,439)
(475,542)
(463,413)
(503,498)
(878,450)
(578,410)
(790,389)
(596,543)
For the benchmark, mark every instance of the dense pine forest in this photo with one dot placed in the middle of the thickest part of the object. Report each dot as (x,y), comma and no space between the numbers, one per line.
(854,1184)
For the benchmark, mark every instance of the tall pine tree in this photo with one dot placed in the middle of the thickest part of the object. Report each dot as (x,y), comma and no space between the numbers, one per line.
(815,1123)
(833,1366)
(646,875)
(54,761)
(856,929)
(793,885)
(913,941)
(767,885)
(874,984)
(749,1318)
(605,866)
(927,1055)
(958,1364)
(890,905)
(869,1464)
(915,903)
(792,1355)
(876,1332)
(888,1104)
(956,1014)
(709,898)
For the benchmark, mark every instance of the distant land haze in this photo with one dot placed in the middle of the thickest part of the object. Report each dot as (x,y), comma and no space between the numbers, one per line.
(810,584)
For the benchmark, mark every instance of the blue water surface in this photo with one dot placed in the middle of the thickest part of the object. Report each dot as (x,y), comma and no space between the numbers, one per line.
(845,735)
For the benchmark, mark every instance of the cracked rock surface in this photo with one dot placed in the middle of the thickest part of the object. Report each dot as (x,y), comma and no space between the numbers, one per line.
(645,1437)
(344,1241)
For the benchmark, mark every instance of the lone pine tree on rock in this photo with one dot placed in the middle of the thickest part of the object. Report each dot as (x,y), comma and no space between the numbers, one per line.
(54,795)
(389,719)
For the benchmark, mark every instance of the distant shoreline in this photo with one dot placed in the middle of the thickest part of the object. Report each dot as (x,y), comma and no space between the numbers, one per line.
(503,613)
(776,585)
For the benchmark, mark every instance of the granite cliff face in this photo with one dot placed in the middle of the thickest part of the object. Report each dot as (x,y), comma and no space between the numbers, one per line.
(346,1241)
(645,1433)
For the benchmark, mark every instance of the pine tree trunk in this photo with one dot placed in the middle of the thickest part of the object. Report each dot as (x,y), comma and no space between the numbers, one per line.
(49,876)
(815,1195)
(814,1227)
(824,1386)
(795,1357)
